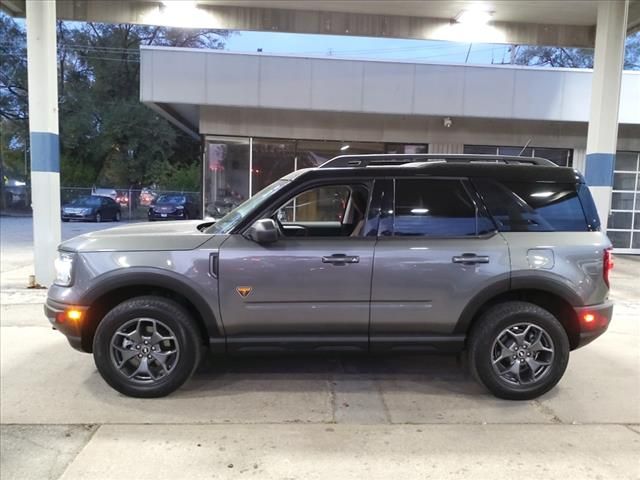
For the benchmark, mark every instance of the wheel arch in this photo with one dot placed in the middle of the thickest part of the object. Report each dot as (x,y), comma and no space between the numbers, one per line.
(115,287)
(551,295)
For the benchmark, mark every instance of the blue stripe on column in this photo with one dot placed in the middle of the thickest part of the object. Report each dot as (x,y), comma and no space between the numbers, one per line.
(598,170)
(45,152)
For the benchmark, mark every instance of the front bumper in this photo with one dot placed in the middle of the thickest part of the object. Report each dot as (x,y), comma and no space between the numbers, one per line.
(57,312)
(177,215)
(78,216)
(594,321)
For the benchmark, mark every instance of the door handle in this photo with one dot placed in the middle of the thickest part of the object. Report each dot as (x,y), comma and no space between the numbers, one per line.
(340,259)
(470,259)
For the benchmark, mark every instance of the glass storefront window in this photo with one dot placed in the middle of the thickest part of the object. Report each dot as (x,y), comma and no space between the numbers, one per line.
(312,153)
(237,168)
(272,159)
(562,157)
(623,227)
(402,148)
(226,179)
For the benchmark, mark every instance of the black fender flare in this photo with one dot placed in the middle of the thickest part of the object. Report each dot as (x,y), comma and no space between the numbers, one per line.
(530,280)
(156,277)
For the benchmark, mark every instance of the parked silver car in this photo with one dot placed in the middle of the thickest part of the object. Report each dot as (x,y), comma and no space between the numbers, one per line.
(501,257)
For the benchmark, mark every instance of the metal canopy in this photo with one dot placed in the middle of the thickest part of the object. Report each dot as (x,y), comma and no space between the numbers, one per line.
(533,22)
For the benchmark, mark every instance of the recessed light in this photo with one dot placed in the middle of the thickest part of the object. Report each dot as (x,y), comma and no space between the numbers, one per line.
(474,17)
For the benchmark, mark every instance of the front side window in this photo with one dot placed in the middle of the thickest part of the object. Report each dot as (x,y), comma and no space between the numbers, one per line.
(436,208)
(325,211)
(322,204)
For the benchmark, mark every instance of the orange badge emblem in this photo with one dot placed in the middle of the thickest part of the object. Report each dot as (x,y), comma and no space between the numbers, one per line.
(244,291)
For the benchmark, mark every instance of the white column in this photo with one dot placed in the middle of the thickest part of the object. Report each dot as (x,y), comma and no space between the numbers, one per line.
(43,129)
(602,134)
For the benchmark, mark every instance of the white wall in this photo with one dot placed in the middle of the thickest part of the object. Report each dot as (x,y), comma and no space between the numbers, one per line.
(206,77)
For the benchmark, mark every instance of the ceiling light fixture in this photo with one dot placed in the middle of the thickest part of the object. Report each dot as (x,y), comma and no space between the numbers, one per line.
(344,147)
(474,17)
(186,4)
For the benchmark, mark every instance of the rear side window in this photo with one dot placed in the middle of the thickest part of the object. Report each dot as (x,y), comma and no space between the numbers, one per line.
(533,206)
(438,208)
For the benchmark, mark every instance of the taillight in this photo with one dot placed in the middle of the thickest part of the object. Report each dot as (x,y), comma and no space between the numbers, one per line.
(607,265)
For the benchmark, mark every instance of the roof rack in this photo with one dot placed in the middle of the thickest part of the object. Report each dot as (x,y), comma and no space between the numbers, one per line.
(387,159)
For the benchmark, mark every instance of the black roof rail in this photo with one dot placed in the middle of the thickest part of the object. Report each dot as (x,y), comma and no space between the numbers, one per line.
(390,159)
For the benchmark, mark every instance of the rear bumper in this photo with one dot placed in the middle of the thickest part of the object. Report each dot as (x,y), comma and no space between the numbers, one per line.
(594,321)
(72,329)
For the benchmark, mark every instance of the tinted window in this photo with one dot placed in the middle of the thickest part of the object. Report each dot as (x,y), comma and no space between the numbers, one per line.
(437,208)
(533,207)
(171,199)
(86,201)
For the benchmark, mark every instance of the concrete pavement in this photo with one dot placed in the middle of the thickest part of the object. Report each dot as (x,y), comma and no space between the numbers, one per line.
(318,417)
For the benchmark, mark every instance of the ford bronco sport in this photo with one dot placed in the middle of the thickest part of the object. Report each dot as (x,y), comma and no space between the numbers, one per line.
(501,257)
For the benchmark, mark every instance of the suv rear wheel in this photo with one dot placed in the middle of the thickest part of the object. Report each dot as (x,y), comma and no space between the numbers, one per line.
(146,347)
(518,350)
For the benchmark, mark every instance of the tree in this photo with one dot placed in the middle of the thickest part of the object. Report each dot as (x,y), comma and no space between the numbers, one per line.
(107,137)
(13,97)
(572,57)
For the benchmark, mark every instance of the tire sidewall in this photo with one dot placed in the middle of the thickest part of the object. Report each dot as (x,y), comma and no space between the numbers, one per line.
(170,314)
(481,352)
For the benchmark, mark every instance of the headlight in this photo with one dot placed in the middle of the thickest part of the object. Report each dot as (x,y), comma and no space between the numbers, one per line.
(180,207)
(63,265)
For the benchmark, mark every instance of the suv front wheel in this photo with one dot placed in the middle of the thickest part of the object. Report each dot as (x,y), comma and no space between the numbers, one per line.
(147,347)
(518,350)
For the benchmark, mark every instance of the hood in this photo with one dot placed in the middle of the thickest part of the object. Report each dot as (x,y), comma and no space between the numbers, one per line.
(178,235)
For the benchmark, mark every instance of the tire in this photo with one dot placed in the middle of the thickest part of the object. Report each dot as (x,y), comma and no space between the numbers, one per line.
(117,217)
(129,372)
(98,217)
(518,368)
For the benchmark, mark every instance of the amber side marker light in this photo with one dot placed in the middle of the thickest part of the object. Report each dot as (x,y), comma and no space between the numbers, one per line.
(72,314)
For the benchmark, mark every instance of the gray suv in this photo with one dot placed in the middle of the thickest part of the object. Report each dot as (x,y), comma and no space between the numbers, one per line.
(500,257)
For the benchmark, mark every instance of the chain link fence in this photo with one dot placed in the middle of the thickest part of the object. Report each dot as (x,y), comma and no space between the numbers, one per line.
(134,203)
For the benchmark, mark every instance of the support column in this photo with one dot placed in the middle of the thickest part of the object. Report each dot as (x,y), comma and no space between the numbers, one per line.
(602,135)
(43,130)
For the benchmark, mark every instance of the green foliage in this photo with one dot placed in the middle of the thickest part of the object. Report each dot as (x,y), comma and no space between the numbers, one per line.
(107,137)
(572,57)
(186,178)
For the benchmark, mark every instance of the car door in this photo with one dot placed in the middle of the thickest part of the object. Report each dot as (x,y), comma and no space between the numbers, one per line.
(306,292)
(105,209)
(437,250)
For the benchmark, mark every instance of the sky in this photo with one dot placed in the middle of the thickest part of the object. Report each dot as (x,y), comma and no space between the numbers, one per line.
(428,51)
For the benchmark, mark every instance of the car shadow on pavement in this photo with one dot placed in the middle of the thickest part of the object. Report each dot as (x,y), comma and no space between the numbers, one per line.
(284,373)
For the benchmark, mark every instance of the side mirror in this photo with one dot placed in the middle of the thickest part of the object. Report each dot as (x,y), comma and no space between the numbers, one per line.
(263,231)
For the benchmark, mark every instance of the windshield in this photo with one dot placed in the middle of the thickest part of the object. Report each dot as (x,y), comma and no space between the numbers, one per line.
(235,216)
(171,199)
(86,202)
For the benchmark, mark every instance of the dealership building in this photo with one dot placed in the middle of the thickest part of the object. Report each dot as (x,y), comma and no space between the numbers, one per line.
(263,116)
